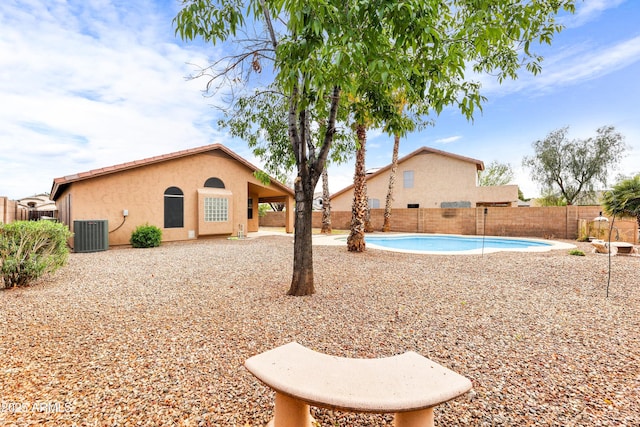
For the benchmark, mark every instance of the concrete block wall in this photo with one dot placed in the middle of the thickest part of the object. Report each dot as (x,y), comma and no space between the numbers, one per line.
(10,211)
(558,222)
(273,219)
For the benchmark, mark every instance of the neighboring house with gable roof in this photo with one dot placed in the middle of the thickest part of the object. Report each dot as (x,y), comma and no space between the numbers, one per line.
(188,194)
(430,178)
(39,206)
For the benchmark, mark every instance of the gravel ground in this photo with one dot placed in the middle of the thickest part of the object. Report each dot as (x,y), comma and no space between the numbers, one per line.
(158,337)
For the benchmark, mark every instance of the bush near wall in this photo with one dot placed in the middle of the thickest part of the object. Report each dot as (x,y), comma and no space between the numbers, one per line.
(30,249)
(146,236)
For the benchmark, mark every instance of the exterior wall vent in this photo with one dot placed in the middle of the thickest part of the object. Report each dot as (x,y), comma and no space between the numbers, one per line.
(90,235)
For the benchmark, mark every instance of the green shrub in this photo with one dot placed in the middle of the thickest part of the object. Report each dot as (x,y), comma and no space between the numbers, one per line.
(576,252)
(146,236)
(30,249)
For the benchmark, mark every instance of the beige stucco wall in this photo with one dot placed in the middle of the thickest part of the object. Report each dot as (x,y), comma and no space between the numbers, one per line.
(437,179)
(209,227)
(498,194)
(141,192)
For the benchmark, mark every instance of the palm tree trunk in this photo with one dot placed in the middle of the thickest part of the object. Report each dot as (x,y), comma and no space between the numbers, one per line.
(355,241)
(368,228)
(392,183)
(326,203)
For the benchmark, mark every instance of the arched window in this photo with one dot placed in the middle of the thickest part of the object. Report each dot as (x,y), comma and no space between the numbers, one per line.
(214,183)
(173,208)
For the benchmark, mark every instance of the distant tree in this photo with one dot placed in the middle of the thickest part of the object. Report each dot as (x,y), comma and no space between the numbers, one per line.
(551,199)
(263,208)
(276,207)
(496,173)
(624,199)
(574,167)
(521,196)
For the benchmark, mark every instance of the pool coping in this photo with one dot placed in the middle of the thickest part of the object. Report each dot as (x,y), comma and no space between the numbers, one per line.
(340,240)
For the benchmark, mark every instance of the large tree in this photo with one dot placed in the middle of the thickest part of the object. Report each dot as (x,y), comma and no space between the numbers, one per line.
(319,48)
(496,173)
(574,166)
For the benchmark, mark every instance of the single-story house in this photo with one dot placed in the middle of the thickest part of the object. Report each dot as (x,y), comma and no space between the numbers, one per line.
(430,178)
(188,194)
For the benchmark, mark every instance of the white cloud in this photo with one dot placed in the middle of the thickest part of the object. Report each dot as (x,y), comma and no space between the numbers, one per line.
(92,84)
(571,65)
(448,140)
(588,10)
(587,65)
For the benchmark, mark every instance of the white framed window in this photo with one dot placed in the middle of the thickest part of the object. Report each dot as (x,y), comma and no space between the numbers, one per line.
(408,179)
(216,209)
(374,203)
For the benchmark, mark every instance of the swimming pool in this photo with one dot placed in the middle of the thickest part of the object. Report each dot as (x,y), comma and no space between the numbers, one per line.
(464,245)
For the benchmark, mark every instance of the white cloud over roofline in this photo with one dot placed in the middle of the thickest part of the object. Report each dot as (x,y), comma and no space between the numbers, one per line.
(448,140)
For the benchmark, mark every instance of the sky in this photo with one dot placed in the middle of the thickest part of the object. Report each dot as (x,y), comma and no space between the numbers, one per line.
(86,84)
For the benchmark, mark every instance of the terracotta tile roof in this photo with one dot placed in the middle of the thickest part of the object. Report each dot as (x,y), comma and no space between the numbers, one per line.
(428,150)
(60,183)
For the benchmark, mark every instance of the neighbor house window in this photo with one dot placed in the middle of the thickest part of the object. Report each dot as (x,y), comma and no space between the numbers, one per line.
(374,203)
(216,209)
(408,179)
(214,183)
(173,208)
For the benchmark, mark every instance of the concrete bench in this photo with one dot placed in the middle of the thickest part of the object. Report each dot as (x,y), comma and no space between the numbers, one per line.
(624,248)
(408,385)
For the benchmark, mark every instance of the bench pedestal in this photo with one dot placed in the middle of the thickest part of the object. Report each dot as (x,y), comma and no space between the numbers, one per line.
(291,412)
(408,385)
(422,418)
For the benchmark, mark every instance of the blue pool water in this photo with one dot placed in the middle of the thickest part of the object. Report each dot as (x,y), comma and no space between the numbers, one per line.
(444,243)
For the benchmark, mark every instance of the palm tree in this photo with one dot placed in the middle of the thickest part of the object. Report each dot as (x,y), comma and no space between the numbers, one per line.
(355,241)
(386,226)
(392,182)
(624,199)
(326,203)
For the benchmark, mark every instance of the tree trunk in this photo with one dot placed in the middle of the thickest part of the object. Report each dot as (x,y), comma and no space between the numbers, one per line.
(392,182)
(326,203)
(355,242)
(310,164)
(302,281)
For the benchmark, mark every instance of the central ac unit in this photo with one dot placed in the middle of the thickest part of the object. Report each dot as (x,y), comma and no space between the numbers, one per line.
(90,235)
